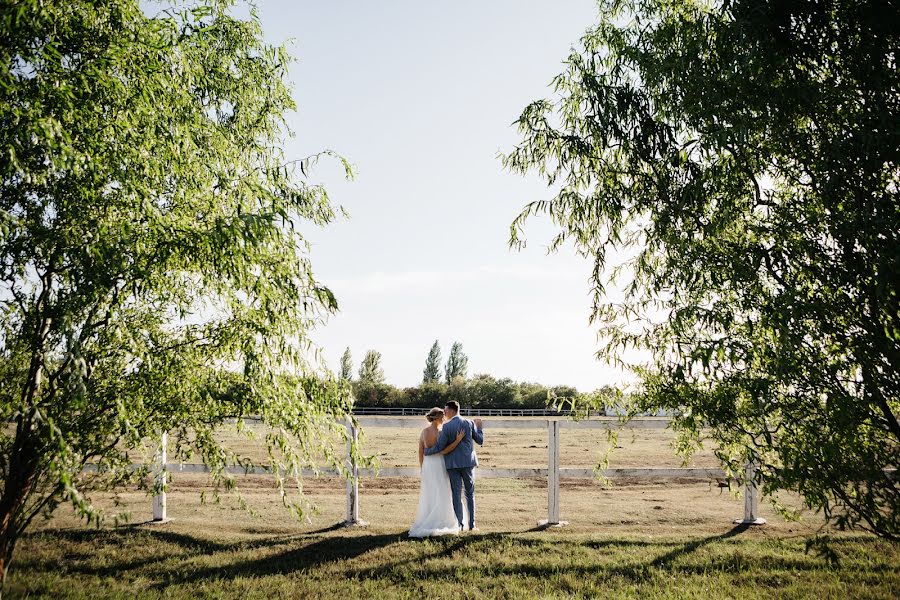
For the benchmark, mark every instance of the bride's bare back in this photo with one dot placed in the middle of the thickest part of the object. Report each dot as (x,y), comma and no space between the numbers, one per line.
(430,436)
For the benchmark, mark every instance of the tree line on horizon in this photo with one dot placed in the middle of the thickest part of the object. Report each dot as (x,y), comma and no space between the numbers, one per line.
(448,383)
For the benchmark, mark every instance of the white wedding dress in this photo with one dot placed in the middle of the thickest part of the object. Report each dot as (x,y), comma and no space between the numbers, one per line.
(435,515)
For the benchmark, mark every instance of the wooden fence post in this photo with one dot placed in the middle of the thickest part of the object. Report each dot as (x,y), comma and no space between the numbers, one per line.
(159,481)
(751,497)
(353,482)
(552,476)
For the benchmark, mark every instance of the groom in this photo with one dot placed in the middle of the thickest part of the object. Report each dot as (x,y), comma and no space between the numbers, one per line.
(462,460)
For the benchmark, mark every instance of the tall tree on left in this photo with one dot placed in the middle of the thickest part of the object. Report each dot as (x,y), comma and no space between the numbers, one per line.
(150,236)
(347,365)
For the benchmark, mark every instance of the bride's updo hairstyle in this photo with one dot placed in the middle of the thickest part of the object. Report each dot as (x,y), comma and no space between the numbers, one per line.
(435,414)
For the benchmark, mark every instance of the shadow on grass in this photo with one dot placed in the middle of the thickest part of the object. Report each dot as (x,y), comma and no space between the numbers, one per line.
(666,559)
(640,571)
(278,554)
(308,556)
(198,560)
(326,550)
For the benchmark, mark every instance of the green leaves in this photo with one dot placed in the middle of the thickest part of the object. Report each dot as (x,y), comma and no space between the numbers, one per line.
(153,267)
(457,364)
(370,370)
(432,371)
(742,158)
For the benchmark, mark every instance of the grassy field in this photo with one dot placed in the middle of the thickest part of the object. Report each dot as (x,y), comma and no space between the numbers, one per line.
(505,448)
(648,539)
(175,561)
(528,448)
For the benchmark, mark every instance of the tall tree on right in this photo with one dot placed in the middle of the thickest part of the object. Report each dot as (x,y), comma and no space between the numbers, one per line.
(432,372)
(457,363)
(745,154)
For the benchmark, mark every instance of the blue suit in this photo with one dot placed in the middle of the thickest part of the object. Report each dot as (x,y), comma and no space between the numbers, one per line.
(460,463)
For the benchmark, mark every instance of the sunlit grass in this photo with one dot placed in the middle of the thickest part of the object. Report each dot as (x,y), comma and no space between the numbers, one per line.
(637,539)
(153,562)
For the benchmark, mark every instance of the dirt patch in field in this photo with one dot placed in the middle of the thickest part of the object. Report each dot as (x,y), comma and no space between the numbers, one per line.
(389,484)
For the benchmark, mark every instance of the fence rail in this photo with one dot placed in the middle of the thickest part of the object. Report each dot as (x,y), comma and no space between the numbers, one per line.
(593,423)
(609,411)
(553,473)
(467,412)
(489,473)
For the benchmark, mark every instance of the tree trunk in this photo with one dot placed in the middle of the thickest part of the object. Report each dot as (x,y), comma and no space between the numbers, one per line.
(25,457)
(23,467)
(6,548)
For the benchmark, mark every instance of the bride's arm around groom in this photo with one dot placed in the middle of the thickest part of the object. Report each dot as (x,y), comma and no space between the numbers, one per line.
(452,427)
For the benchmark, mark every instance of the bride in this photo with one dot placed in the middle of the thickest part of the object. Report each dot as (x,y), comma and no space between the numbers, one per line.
(435,515)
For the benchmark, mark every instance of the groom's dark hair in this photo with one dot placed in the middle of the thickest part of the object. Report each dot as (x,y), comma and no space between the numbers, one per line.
(452,405)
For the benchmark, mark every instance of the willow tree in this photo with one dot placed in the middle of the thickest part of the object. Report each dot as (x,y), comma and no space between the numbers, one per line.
(735,163)
(151,252)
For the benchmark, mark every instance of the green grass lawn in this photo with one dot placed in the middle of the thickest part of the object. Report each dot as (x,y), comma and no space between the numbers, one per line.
(637,539)
(165,562)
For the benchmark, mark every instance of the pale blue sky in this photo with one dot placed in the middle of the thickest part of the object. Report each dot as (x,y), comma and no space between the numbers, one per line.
(420,97)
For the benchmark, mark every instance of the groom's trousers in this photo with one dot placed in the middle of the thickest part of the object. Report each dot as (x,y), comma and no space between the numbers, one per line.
(459,479)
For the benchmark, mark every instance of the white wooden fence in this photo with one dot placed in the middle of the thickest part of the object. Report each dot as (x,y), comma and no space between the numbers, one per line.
(553,473)
(418,411)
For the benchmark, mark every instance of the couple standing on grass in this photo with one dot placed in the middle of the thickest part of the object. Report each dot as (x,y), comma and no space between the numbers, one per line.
(447,458)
